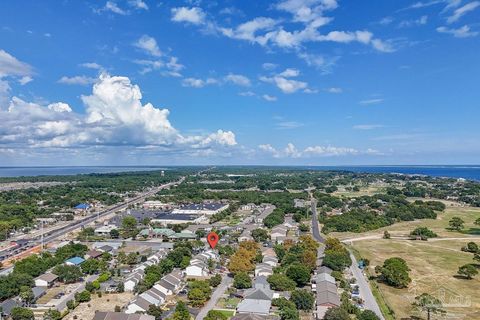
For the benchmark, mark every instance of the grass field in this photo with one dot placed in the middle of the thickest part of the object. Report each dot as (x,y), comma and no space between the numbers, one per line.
(439,225)
(433,263)
(364,191)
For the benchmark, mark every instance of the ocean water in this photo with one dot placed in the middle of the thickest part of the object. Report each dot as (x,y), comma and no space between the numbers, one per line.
(470,172)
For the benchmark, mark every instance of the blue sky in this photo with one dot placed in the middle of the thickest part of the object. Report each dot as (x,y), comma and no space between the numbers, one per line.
(316,82)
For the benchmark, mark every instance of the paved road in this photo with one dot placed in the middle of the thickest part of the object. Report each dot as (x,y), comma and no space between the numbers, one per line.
(365,290)
(226,281)
(315,227)
(62,231)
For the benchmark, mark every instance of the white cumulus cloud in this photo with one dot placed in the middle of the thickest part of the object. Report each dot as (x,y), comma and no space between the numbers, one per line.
(192,15)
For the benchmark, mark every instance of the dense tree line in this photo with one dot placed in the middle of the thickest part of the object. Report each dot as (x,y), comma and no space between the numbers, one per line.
(27,269)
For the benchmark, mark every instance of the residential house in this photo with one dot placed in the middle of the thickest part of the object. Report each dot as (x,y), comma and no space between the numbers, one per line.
(93,254)
(197,269)
(278,233)
(106,248)
(75,261)
(257,300)
(199,264)
(290,224)
(7,306)
(245,235)
(271,261)
(326,294)
(325,277)
(38,292)
(157,295)
(324,269)
(132,280)
(251,316)
(100,315)
(263,269)
(46,280)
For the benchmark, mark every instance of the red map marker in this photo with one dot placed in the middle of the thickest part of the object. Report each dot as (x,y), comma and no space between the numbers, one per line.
(212,239)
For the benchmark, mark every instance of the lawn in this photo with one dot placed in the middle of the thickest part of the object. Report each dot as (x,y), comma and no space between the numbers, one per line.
(364,191)
(228,313)
(228,303)
(439,225)
(433,265)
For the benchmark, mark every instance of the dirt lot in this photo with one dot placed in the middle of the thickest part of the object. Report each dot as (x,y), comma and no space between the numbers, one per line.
(106,303)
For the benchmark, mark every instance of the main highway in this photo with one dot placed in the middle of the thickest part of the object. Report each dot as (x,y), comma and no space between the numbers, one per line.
(61,231)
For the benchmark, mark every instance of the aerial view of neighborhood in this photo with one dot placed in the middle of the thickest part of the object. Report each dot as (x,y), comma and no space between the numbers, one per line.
(239,160)
(239,243)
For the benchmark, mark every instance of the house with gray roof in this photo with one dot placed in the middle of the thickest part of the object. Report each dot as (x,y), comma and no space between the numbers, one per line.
(46,280)
(325,277)
(257,300)
(100,315)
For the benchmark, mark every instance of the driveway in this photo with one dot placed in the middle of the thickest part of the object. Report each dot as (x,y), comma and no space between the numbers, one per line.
(365,290)
(217,294)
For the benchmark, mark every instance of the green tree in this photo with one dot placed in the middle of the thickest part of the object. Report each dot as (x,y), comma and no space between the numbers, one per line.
(303,227)
(68,274)
(395,272)
(303,299)
(215,280)
(337,259)
(129,223)
(215,315)
(70,304)
(260,235)
(242,281)
(423,232)
(429,304)
(471,247)
(476,256)
(456,223)
(298,273)
(181,312)
(336,313)
(196,297)
(289,314)
(368,315)
(19,313)
(90,266)
(281,282)
(155,311)
(26,294)
(468,271)
(114,234)
(83,296)
(92,286)
(52,314)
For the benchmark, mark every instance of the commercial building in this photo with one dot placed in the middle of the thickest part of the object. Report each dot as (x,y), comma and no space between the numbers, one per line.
(201,208)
